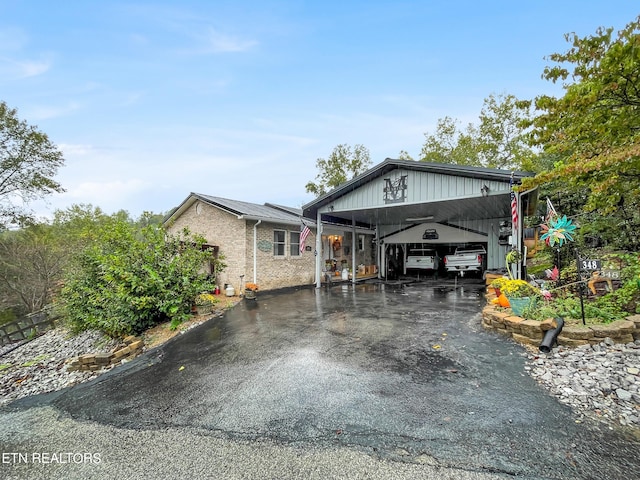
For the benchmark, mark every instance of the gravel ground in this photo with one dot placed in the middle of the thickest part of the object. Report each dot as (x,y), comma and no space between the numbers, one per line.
(39,366)
(600,381)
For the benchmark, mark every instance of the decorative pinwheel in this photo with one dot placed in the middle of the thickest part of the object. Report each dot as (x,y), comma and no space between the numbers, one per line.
(561,230)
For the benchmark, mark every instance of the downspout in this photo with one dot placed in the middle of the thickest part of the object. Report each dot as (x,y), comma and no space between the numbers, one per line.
(255,251)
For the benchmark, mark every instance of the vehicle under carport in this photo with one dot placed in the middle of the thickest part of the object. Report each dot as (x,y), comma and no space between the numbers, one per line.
(406,201)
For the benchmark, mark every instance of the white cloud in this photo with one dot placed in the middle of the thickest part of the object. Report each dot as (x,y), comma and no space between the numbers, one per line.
(23,68)
(46,112)
(221,43)
(106,193)
(75,149)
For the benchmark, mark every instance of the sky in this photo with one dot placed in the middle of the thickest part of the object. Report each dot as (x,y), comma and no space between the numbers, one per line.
(152,100)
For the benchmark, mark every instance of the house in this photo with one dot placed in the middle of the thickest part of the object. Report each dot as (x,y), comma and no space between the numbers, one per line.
(260,243)
(366,225)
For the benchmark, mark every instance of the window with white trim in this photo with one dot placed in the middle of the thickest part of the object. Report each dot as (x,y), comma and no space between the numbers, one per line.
(279,238)
(294,244)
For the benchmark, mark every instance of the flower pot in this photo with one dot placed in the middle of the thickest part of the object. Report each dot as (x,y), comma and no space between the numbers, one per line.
(250,294)
(497,290)
(203,309)
(518,305)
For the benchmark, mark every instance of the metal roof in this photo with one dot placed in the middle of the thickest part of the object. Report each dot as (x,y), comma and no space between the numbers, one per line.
(244,210)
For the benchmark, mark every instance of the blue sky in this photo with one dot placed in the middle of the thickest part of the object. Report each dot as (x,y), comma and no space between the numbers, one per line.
(152,100)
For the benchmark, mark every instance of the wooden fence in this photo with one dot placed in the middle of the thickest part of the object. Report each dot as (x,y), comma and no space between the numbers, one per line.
(25,328)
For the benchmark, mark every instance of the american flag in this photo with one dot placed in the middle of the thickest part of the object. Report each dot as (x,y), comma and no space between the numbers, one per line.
(514,207)
(304,233)
(551,211)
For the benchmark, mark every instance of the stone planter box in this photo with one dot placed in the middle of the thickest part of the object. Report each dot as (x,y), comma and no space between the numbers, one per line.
(531,332)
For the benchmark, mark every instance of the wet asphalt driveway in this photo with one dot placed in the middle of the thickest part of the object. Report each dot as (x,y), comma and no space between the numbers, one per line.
(401,372)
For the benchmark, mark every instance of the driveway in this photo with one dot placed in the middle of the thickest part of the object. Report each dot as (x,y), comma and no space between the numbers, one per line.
(400,373)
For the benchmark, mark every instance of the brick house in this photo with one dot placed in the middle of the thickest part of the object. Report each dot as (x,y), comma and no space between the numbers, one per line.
(261,243)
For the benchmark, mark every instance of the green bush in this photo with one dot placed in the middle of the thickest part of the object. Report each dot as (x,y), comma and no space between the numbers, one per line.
(129,279)
(604,309)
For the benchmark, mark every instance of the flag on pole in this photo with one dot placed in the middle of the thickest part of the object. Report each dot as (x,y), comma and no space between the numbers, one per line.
(304,233)
(514,207)
(551,211)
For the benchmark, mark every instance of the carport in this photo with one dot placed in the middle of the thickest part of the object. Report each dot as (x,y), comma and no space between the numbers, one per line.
(406,201)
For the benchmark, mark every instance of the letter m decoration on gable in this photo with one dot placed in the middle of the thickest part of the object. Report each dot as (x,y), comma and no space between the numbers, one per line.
(395,190)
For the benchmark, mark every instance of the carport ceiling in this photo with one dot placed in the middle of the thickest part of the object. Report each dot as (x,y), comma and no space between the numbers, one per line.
(496,206)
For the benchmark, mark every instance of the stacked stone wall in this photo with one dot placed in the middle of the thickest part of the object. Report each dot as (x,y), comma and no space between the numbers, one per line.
(92,362)
(531,332)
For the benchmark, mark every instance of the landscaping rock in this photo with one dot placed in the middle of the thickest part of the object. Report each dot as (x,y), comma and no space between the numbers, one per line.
(601,381)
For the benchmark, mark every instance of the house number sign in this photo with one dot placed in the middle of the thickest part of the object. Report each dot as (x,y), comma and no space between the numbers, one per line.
(587,264)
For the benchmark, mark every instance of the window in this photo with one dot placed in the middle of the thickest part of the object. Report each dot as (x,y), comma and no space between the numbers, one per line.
(278,243)
(360,243)
(294,244)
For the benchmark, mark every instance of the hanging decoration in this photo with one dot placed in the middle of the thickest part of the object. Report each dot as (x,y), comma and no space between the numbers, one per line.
(558,231)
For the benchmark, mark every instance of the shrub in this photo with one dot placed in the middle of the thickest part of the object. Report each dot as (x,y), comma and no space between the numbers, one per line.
(129,280)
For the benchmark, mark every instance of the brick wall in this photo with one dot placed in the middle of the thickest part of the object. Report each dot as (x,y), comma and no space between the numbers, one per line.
(221,229)
(278,271)
(234,237)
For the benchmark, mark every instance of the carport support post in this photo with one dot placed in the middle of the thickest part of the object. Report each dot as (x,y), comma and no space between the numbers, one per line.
(318,252)
(353,250)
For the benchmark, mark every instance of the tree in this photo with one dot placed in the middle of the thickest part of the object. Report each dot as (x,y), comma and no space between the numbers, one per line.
(404,155)
(343,164)
(498,141)
(593,130)
(451,145)
(28,163)
(31,265)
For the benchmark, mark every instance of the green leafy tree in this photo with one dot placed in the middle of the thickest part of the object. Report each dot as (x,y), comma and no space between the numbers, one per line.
(130,279)
(28,163)
(404,155)
(497,141)
(593,130)
(343,164)
(450,144)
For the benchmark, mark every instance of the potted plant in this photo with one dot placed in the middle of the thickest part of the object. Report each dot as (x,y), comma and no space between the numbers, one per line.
(204,303)
(521,295)
(498,283)
(250,290)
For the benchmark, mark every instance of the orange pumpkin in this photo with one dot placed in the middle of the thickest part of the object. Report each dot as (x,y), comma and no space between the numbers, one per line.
(503,301)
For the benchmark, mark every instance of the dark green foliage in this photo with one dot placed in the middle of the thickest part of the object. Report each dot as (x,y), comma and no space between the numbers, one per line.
(343,164)
(614,305)
(129,279)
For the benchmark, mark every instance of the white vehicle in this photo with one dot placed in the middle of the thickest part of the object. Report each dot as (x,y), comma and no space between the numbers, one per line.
(422,259)
(466,259)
